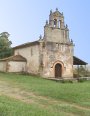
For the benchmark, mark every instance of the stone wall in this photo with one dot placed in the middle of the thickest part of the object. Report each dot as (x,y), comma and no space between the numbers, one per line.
(14,66)
(55,35)
(3,66)
(32,55)
(53,54)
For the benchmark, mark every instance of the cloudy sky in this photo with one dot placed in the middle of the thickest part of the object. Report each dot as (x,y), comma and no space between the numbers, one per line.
(24,20)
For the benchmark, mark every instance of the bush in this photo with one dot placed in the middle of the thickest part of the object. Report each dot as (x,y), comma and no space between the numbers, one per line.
(81,79)
(67,81)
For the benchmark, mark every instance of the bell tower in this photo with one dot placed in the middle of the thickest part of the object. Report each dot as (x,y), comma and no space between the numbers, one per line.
(55,30)
(56,19)
(56,48)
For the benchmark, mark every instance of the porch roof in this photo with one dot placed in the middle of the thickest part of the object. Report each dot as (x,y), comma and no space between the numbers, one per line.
(77,61)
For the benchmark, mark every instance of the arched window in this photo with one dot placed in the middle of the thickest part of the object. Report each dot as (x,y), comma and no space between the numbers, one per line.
(55,22)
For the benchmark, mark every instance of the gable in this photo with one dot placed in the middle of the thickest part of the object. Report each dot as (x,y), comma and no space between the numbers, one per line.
(26,45)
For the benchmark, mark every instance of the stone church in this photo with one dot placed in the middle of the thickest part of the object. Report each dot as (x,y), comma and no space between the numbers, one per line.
(50,56)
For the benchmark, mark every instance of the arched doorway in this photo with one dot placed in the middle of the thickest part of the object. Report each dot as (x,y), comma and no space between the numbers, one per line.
(58,70)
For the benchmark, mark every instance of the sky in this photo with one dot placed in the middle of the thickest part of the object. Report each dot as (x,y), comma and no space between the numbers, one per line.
(24,21)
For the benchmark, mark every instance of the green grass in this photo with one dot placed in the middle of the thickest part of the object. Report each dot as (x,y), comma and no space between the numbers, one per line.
(60,99)
(11,107)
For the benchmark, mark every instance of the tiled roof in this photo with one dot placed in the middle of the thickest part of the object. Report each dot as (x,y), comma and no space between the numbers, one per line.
(26,44)
(77,61)
(14,58)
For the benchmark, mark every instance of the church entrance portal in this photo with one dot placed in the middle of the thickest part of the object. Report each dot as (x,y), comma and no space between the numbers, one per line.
(58,70)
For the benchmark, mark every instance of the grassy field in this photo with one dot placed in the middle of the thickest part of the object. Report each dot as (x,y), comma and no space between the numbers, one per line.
(22,95)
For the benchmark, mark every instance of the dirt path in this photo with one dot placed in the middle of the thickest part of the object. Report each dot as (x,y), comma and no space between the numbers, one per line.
(29,97)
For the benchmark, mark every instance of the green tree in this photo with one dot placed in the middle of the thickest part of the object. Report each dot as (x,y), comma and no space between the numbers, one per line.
(80,71)
(5,45)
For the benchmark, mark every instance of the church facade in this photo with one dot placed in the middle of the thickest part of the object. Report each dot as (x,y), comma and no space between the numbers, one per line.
(52,55)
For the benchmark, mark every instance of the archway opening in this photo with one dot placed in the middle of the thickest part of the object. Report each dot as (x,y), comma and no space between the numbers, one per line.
(58,70)
(55,22)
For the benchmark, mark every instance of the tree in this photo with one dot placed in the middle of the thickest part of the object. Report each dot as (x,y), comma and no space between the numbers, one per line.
(5,45)
(80,71)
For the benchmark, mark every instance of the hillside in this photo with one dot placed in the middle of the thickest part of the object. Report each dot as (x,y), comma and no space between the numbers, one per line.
(22,95)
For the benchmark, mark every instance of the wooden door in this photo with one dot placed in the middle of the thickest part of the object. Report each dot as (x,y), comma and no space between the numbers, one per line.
(58,70)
